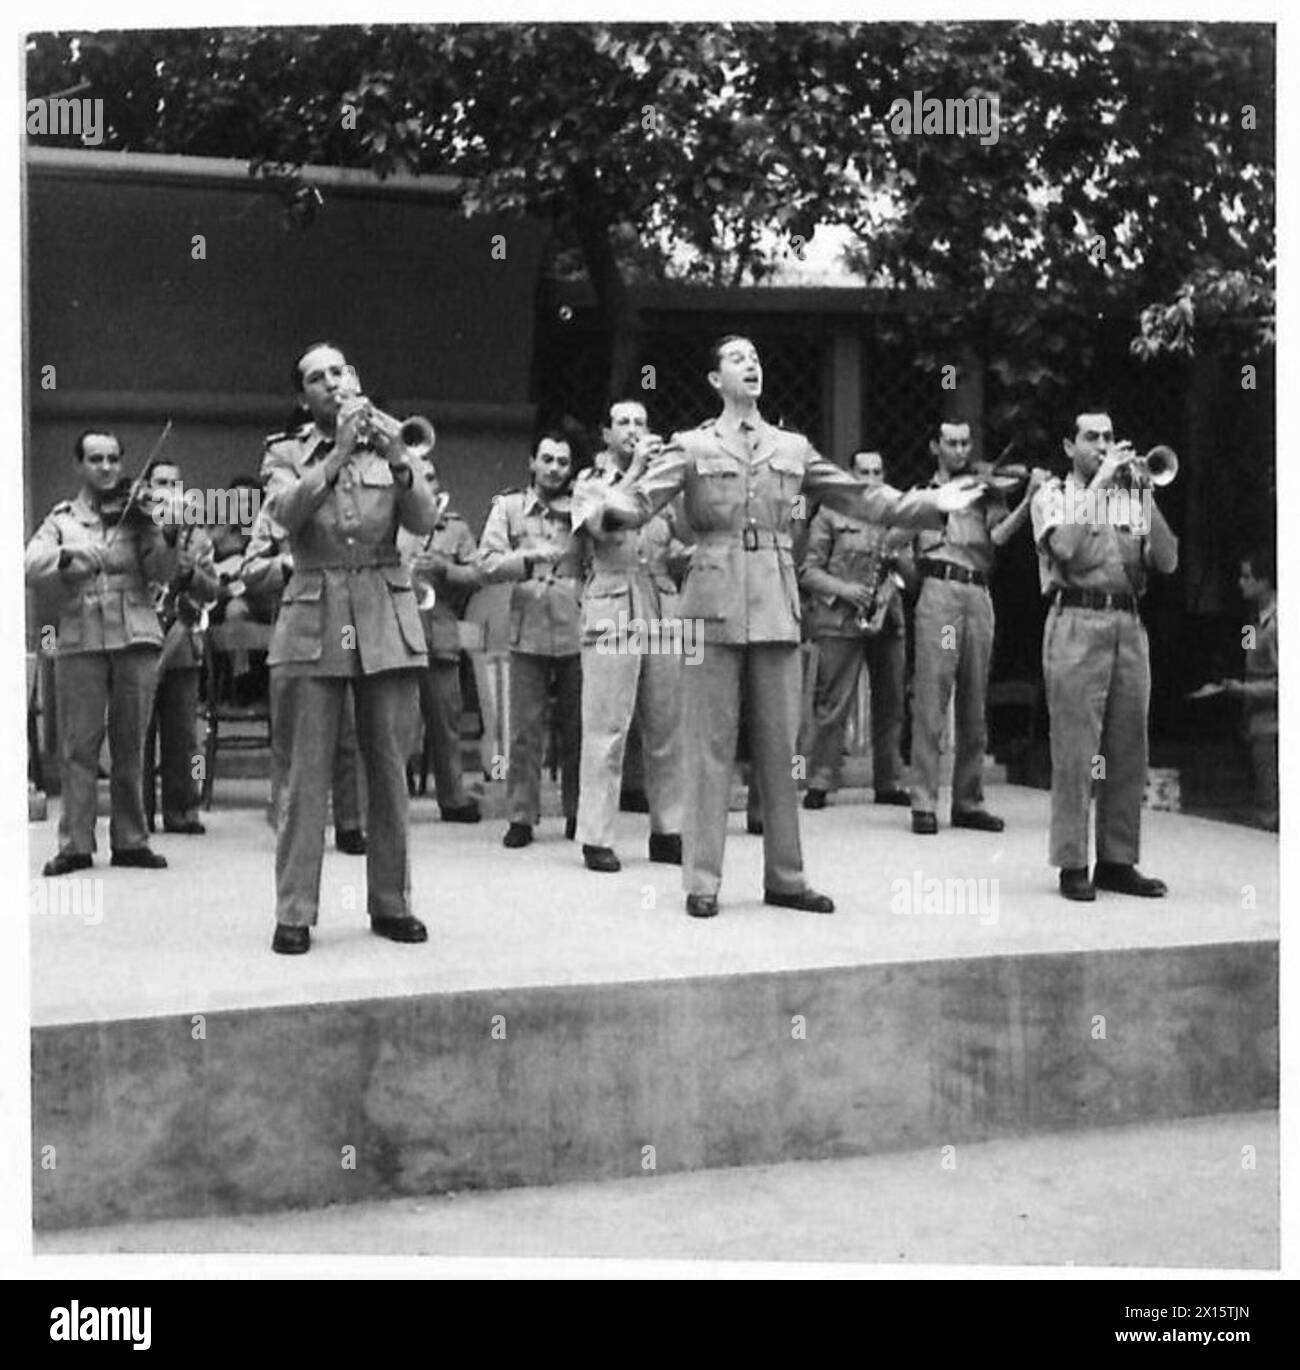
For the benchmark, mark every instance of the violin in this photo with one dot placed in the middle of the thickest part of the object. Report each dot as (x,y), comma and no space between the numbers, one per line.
(129,504)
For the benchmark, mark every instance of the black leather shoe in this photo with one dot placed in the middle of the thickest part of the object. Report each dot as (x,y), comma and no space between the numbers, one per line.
(754,826)
(140,856)
(190,828)
(807,900)
(601,859)
(517,835)
(899,798)
(351,842)
(66,862)
(666,848)
(702,905)
(924,824)
(815,799)
(1076,885)
(633,801)
(462,813)
(978,819)
(1108,875)
(570,828)
(408,929)
(290,940)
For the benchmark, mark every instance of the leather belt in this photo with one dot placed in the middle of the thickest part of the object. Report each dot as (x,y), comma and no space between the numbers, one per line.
(1068,597)
(947,570)
(751,538)
(353,559)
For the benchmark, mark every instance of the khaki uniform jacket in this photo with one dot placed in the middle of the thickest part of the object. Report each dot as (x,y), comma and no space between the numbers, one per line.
(842,551)
(183,640)
(350,601)
(267,566)
(109,611)
(544,602)
(742,489)
(453,588)
(966,538)
(629,570)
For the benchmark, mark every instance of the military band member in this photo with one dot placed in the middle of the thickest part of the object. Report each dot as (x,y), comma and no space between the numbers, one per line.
(262,575)
(444,565)
(176,705)
(856,612)
(953,640)
(744,481)
(528,541)
(93,558)
(340,487)
(1094,557)
(629,588)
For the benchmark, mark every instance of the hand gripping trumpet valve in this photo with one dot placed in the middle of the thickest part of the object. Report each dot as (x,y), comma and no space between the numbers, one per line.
(415,434)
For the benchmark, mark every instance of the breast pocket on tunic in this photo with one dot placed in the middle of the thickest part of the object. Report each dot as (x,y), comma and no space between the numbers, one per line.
(787,472)
(718,487)
(606,605)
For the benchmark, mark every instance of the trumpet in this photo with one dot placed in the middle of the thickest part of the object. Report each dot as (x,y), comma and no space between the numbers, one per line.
(416,434)
(1158,468)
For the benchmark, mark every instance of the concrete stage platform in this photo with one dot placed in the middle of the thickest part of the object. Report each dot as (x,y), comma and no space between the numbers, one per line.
(559,1023)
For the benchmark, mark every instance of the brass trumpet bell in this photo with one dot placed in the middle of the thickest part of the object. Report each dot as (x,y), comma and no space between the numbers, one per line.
(418,436)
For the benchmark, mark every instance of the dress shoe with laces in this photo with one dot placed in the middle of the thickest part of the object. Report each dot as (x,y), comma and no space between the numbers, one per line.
(351,842)
(186,827)
(601,859)
(1121,879)
(68,861)
(809,901)
(461,813)
(291,940)
(408,929)
(702,905)
(979,819)
(517,835)
(143,857)
(666,848)
(925,824)
(815,799)
(1076,885)
(899,798)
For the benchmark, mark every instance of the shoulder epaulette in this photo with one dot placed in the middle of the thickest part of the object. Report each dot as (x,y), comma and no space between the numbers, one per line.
(284,435)
(501,494)
(64,506)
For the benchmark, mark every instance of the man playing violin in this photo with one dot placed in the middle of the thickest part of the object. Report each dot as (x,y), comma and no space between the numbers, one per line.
(93,558)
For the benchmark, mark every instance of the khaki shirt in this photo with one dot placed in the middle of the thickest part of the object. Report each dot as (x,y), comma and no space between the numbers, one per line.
(966,538)
(843,549)
(1108,558)
(742,490)
(452,589)
(629,570)
(349,607)
(114,609)
(544,602)
(182,600)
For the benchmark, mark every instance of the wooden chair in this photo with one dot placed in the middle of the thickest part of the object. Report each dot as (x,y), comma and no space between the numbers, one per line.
(221,644)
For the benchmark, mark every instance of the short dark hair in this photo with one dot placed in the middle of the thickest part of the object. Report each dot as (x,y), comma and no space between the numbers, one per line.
(951,421)
(78,447)
(156,463)
(296,383)
(625,399)
(555,435)
(244,483)
(717,345)
(1070,418)
(1262,563)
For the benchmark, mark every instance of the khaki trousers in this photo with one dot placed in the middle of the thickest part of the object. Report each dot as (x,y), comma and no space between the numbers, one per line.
(839,664)
(95,691)
(615,688)
(305,739)
(711,694)
(532,678)
(1098,675)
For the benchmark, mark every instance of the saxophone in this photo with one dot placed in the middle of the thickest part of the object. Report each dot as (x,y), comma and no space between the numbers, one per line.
(881,577)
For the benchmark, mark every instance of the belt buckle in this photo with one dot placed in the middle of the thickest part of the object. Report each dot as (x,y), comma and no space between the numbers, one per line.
(750,538)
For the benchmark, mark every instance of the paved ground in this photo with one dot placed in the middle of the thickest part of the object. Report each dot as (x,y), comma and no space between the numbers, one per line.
(196,937)
(1151,1196)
